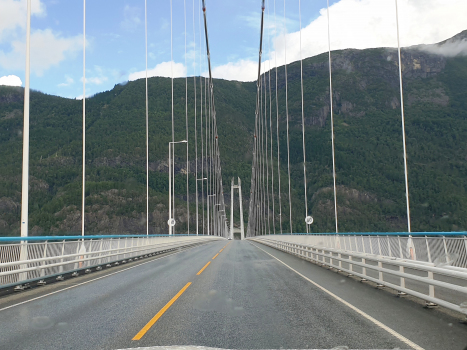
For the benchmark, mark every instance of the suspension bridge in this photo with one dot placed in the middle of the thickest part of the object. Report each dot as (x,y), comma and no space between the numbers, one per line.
(272,288)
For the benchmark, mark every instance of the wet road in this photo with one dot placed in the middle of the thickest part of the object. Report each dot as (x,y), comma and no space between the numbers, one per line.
(236,295)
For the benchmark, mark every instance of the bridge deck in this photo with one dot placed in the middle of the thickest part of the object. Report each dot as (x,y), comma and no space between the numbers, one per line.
(245,298)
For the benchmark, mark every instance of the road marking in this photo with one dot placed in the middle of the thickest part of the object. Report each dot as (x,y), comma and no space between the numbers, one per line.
(95,279)
(201,271)
(143,331)
(215,256)
(360,312)
(220,251)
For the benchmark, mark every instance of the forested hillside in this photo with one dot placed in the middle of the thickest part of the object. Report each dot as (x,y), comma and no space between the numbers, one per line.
(369,161)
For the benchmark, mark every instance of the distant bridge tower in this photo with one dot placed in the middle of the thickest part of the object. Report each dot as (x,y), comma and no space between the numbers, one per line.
(242,228)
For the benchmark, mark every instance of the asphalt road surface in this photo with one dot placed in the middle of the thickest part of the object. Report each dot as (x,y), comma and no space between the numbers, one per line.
(224,294)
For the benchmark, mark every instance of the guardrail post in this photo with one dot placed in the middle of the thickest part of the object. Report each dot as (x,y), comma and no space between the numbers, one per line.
(400,247)
(100,249)
(465,243)
(431,287)
(363,267)
(428,249)
(389,246)
(77,256)
(380,273)
(445,248)
(401,270)
(60,268)
(23,256)
(379,247)
(350,264)
(44,255)
(371,245)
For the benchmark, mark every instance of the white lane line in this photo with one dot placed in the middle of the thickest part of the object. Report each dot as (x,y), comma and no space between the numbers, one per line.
(95,279)
(360,312)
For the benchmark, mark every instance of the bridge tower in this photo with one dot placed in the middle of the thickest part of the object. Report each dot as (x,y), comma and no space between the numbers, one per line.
(242,228)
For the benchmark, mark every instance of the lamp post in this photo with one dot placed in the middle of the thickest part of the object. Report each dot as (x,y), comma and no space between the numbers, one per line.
(171,221)
(203,179)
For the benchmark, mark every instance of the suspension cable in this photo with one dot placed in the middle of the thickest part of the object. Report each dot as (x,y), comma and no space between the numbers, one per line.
(201,114)
(266,148)
(270,128)
(263,161)
(172,205)
(147,116)
(277,133)
(303,115)
(256,149)
(287,118)
(409,228)
(196,124)
(332,121)
(186,127)
(83,200)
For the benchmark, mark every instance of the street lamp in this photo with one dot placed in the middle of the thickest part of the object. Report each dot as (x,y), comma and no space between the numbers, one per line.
(171,221)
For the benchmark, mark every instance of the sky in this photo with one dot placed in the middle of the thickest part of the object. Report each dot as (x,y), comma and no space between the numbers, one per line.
(115,37)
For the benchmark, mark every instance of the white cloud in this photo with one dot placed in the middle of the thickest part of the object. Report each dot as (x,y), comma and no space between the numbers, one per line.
(11,80)
(100,76)
(360,24)
(131,19)
(47,49)
(14,12)
(163,69)
(242,70)
(450,48)
(68,81)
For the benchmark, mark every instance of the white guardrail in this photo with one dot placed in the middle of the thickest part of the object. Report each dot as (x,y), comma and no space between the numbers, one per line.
(30,260)
(431,268)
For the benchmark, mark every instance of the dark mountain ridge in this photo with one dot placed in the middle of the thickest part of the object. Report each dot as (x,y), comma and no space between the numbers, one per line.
(369,164)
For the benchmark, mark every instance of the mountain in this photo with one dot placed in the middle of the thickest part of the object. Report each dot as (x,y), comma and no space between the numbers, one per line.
(368,141)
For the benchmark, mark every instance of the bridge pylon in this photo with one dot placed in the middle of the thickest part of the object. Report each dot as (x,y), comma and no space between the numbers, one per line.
(242,228)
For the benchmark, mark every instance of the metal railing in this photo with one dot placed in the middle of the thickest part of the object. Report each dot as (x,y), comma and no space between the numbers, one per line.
(447,249)
(40,257)
(430,268)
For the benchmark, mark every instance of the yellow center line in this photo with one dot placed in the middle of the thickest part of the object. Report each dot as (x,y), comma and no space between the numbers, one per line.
(215,256)
(143,331)
(220,251)
(201,271)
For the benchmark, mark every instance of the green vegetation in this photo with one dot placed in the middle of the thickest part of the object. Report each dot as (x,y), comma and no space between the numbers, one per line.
(369,162)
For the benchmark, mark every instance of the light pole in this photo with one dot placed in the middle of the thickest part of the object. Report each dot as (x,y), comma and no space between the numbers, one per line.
(204,178)
(171,221)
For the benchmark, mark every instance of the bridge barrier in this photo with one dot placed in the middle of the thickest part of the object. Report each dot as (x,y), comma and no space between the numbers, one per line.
(436,274)
(440,250)
(41,257)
